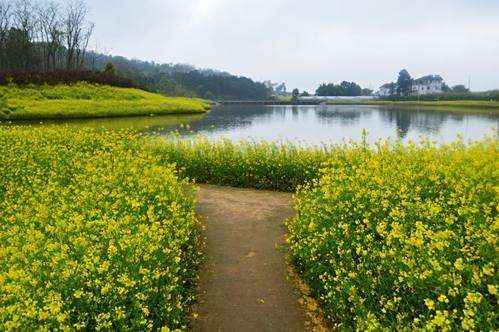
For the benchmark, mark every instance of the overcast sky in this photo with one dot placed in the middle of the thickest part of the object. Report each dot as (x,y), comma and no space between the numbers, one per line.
(305,43)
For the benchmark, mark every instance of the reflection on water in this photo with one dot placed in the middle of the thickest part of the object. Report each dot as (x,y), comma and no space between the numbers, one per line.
(314,124)
(318,124)
(141,123)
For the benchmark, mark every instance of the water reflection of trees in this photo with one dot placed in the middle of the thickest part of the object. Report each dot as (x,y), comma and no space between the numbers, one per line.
(227,117)
(343,114)
(240,116)
(426,121)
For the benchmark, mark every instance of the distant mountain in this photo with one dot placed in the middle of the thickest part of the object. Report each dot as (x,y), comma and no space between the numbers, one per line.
(182,79)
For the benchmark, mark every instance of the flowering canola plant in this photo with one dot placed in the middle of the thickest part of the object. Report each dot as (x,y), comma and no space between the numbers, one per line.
(394,237)
(274,165)
(95,233)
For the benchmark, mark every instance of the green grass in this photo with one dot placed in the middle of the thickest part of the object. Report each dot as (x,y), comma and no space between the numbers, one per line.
(95,233)
(85,100)
(482,105)
(283,98)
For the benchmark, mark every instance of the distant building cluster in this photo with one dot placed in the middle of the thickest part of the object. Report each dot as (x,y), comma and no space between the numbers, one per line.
(426,85)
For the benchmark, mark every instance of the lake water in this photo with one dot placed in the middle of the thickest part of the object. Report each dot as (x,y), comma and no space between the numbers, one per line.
(318,124)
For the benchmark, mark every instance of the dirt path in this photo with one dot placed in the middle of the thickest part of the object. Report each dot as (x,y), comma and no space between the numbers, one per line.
(244,285)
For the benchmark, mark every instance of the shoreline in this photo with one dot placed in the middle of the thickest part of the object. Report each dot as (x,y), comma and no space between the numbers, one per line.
(475,104)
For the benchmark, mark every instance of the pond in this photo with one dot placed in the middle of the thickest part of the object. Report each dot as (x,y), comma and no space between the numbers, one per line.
(317,124)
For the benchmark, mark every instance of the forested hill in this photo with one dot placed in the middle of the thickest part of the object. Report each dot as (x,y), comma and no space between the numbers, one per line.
(181,79)
(42,40)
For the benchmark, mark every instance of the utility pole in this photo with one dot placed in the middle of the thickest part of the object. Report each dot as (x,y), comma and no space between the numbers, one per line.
(469,83)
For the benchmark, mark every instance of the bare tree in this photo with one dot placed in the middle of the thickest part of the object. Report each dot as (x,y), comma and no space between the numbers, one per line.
(24,23)
(40,35)
(51,35)
(77,32)
(5,21)
(82,50)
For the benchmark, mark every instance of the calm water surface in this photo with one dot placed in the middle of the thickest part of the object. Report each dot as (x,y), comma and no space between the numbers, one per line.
(317,124)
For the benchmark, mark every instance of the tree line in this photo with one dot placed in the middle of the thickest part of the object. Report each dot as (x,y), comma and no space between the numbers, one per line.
(43,36)
(181,79)
(345,88)
(46,42)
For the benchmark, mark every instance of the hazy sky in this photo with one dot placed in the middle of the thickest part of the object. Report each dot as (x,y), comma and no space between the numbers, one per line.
(305,43)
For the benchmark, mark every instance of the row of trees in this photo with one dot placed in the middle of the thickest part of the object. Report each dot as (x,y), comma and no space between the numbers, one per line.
(43,36)
(343,89)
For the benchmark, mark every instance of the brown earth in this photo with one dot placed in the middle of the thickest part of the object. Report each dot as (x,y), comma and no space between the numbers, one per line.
(244,284)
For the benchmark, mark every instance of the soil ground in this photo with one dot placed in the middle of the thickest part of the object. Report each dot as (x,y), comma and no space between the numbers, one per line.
(244,284)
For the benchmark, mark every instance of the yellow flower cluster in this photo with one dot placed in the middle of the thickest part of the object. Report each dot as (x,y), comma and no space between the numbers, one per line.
(95,234)
(403,237)
(275,165)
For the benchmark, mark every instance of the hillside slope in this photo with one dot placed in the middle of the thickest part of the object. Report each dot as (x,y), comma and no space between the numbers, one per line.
(84,100)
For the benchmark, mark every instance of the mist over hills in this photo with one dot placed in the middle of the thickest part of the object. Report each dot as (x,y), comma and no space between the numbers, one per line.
(181,79)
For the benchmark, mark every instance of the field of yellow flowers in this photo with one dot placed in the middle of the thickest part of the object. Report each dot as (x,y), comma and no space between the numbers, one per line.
(98,232)
(403,237)
(388,236)
(281,166)
(95,233)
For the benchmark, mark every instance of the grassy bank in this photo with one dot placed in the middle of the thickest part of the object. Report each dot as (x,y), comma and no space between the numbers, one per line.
(85,100)
(95,233)
(449,105)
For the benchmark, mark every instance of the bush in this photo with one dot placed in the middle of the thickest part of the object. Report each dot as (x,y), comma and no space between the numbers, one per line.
(94,233)
(65,77)
(3,103)
(403,238)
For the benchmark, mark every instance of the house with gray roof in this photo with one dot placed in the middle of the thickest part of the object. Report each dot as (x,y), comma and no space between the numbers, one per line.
(426,85)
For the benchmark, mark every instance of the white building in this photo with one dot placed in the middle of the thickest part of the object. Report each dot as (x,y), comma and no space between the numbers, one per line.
(430,84)
(387,90)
